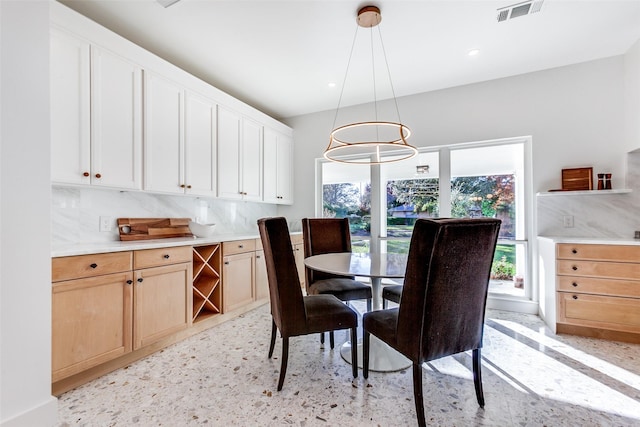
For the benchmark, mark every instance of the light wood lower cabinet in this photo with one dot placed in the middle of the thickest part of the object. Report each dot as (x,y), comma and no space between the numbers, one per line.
(298,252)
(238,274)
(598,291)
(92,308)
(261,279)
(107,305)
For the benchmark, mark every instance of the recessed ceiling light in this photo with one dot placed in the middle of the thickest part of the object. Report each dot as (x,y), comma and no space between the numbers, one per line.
(473,52)
(331,84)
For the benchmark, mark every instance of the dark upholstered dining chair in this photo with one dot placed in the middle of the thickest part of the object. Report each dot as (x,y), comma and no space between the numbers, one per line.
(391,293)
(441,312)
(292,313)
(330,235)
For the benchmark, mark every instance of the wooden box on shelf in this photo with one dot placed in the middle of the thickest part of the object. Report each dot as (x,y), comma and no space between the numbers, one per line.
(577,179)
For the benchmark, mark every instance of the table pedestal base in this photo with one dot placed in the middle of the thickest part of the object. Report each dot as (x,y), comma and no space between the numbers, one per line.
(382,358)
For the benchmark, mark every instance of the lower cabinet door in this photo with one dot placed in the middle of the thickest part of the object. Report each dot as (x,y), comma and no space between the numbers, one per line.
(91,322)
(238,272)
(162,302)
(262,281)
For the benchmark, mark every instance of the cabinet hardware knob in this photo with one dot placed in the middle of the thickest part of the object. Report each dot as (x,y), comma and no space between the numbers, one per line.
(574,251)
(182,185)
(166,256)
(129,282)
(241,246)
(86,174)
(140,279)
(574,268)
(98,175)
(257,256)
(188,186)
(226,263)
(575,284)
(94,265)
(575,297)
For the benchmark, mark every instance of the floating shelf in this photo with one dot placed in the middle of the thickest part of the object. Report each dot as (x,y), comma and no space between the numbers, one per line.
(583,193)
(207,296)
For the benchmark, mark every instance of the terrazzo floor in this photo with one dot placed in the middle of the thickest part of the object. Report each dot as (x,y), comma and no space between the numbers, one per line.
(222,377)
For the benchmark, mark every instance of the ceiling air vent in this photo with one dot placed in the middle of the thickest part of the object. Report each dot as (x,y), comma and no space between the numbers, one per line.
(519,9)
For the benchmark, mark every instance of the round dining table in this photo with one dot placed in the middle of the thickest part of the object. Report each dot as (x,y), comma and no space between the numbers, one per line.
(382,358)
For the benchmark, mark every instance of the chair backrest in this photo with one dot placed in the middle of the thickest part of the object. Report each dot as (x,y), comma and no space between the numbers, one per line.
(445,287)
(322,236)
(287,306)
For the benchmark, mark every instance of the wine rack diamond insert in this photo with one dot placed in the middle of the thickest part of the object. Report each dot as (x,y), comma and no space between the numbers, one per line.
(207,295)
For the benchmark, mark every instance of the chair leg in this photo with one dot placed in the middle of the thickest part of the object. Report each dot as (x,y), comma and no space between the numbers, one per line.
(369,304)
(477,376)
(331,340)
(366,336)
(384,303)
(283,364)
(354,351)
(273,338)
(321,337)
(417,393)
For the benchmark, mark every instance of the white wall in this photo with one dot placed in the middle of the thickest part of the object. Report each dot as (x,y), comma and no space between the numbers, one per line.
(632,96)
(25,267)
(575,115)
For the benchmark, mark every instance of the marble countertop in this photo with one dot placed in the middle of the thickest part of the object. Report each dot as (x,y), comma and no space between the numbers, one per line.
(85,248)
(593,240)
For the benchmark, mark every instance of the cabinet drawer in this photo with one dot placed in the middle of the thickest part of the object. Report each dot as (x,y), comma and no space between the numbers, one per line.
(76,267)
(610,270)
(296,239)
(158,257)
(592,285)
(621,253)
(238,247)
(621,314)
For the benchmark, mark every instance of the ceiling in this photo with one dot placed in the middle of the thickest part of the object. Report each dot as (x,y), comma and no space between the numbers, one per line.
(280,56)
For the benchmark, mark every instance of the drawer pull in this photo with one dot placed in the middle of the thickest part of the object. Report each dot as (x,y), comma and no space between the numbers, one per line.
(129,282)
(574,251)
(226,263)
(94,265)
(575,297)
(166,256)
(241,246)
(574,268)
(140,279)
(574,284)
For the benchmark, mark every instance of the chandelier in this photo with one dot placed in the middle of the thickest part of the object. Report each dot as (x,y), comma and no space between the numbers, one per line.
(373,141)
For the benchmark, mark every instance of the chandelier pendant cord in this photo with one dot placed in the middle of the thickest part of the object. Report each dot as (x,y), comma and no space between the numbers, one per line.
(346,73)
(386,63)
(373,76)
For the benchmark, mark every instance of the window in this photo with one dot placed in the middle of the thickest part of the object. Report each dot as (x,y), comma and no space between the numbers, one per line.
(482,179)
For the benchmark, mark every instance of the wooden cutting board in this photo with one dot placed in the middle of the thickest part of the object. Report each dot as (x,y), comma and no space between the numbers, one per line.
(153,228)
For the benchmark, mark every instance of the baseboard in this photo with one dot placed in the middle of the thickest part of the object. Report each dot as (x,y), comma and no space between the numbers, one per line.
(510,304)
(45,414)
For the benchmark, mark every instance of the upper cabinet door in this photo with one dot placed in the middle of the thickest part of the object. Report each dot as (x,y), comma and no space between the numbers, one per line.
(163,135)
(200,146)
(251,165)
(116,121)
(278,167)
(70,98)
(228,154)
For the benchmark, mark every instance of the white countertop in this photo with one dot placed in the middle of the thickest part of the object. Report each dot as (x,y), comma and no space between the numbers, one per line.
(593,240)
(84,248)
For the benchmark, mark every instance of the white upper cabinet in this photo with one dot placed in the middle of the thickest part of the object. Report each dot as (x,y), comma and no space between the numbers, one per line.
(278,167)
(180,139)
(239,156)
(116,121)
(163,136)
(70,109)
(96,116)
(200,145)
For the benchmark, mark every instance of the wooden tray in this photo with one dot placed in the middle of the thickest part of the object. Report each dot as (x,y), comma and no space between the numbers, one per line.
(153,228)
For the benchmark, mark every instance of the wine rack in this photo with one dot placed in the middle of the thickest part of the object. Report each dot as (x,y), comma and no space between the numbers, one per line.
(207,295)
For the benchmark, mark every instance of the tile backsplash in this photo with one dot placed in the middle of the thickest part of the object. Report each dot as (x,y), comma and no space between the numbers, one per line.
(76,212)
(595,215)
